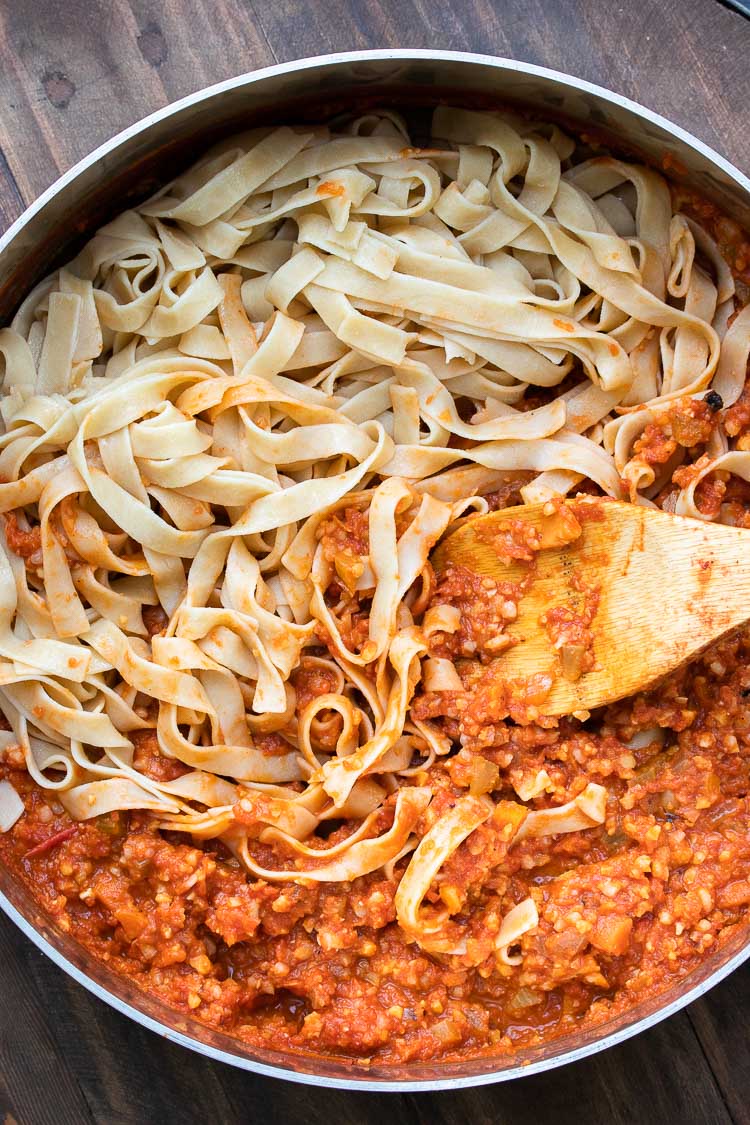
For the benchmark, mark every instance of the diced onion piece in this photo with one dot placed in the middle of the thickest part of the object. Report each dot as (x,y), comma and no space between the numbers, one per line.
(584,811)
(558,526)
(349,569)
(441,619)
(448,1032)
(517,922)
(571,661)
(593,802)
(525,998)
(484,776)
(643,738)
(11,806)
(440,675)
(528,788)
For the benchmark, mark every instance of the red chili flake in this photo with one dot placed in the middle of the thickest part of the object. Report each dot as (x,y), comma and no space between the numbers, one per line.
(51,842)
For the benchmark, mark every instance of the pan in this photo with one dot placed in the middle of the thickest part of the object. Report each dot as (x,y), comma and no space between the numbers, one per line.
(130,167)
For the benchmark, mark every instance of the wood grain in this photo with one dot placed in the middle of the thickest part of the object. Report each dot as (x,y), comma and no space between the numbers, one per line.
(71,75)
(617,1088)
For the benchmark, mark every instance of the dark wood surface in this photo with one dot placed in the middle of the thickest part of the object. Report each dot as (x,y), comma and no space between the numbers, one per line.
(72,74)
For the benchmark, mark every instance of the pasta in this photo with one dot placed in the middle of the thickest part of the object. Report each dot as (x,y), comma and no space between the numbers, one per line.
(237,423)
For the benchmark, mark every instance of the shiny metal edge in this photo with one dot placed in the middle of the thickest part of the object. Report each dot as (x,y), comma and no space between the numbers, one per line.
(241,1061)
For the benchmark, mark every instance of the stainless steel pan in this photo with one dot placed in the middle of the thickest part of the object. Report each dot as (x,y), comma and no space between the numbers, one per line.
(128,168)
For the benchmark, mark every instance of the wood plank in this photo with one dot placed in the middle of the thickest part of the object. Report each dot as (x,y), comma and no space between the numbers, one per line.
(661,1076)
(720,1022)
(11,200)
(281,1103)
(65,86)
(38,1086)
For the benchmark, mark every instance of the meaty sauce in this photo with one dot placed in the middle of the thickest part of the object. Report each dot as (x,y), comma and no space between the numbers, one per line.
(570,631)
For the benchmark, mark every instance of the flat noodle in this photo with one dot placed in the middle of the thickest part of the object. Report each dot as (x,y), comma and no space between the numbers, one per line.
(245,414)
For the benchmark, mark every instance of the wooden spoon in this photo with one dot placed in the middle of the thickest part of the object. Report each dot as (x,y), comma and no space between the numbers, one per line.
(667,586)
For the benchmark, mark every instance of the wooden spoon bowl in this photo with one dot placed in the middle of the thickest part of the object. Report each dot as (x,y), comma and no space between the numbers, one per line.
(661,588)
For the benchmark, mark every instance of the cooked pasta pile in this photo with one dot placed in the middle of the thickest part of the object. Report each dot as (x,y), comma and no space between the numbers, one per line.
(311,321)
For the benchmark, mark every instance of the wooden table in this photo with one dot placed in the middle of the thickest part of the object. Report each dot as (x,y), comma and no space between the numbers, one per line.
(71,75)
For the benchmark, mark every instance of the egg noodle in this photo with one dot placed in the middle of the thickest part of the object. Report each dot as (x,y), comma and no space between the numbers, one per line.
(295,326)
